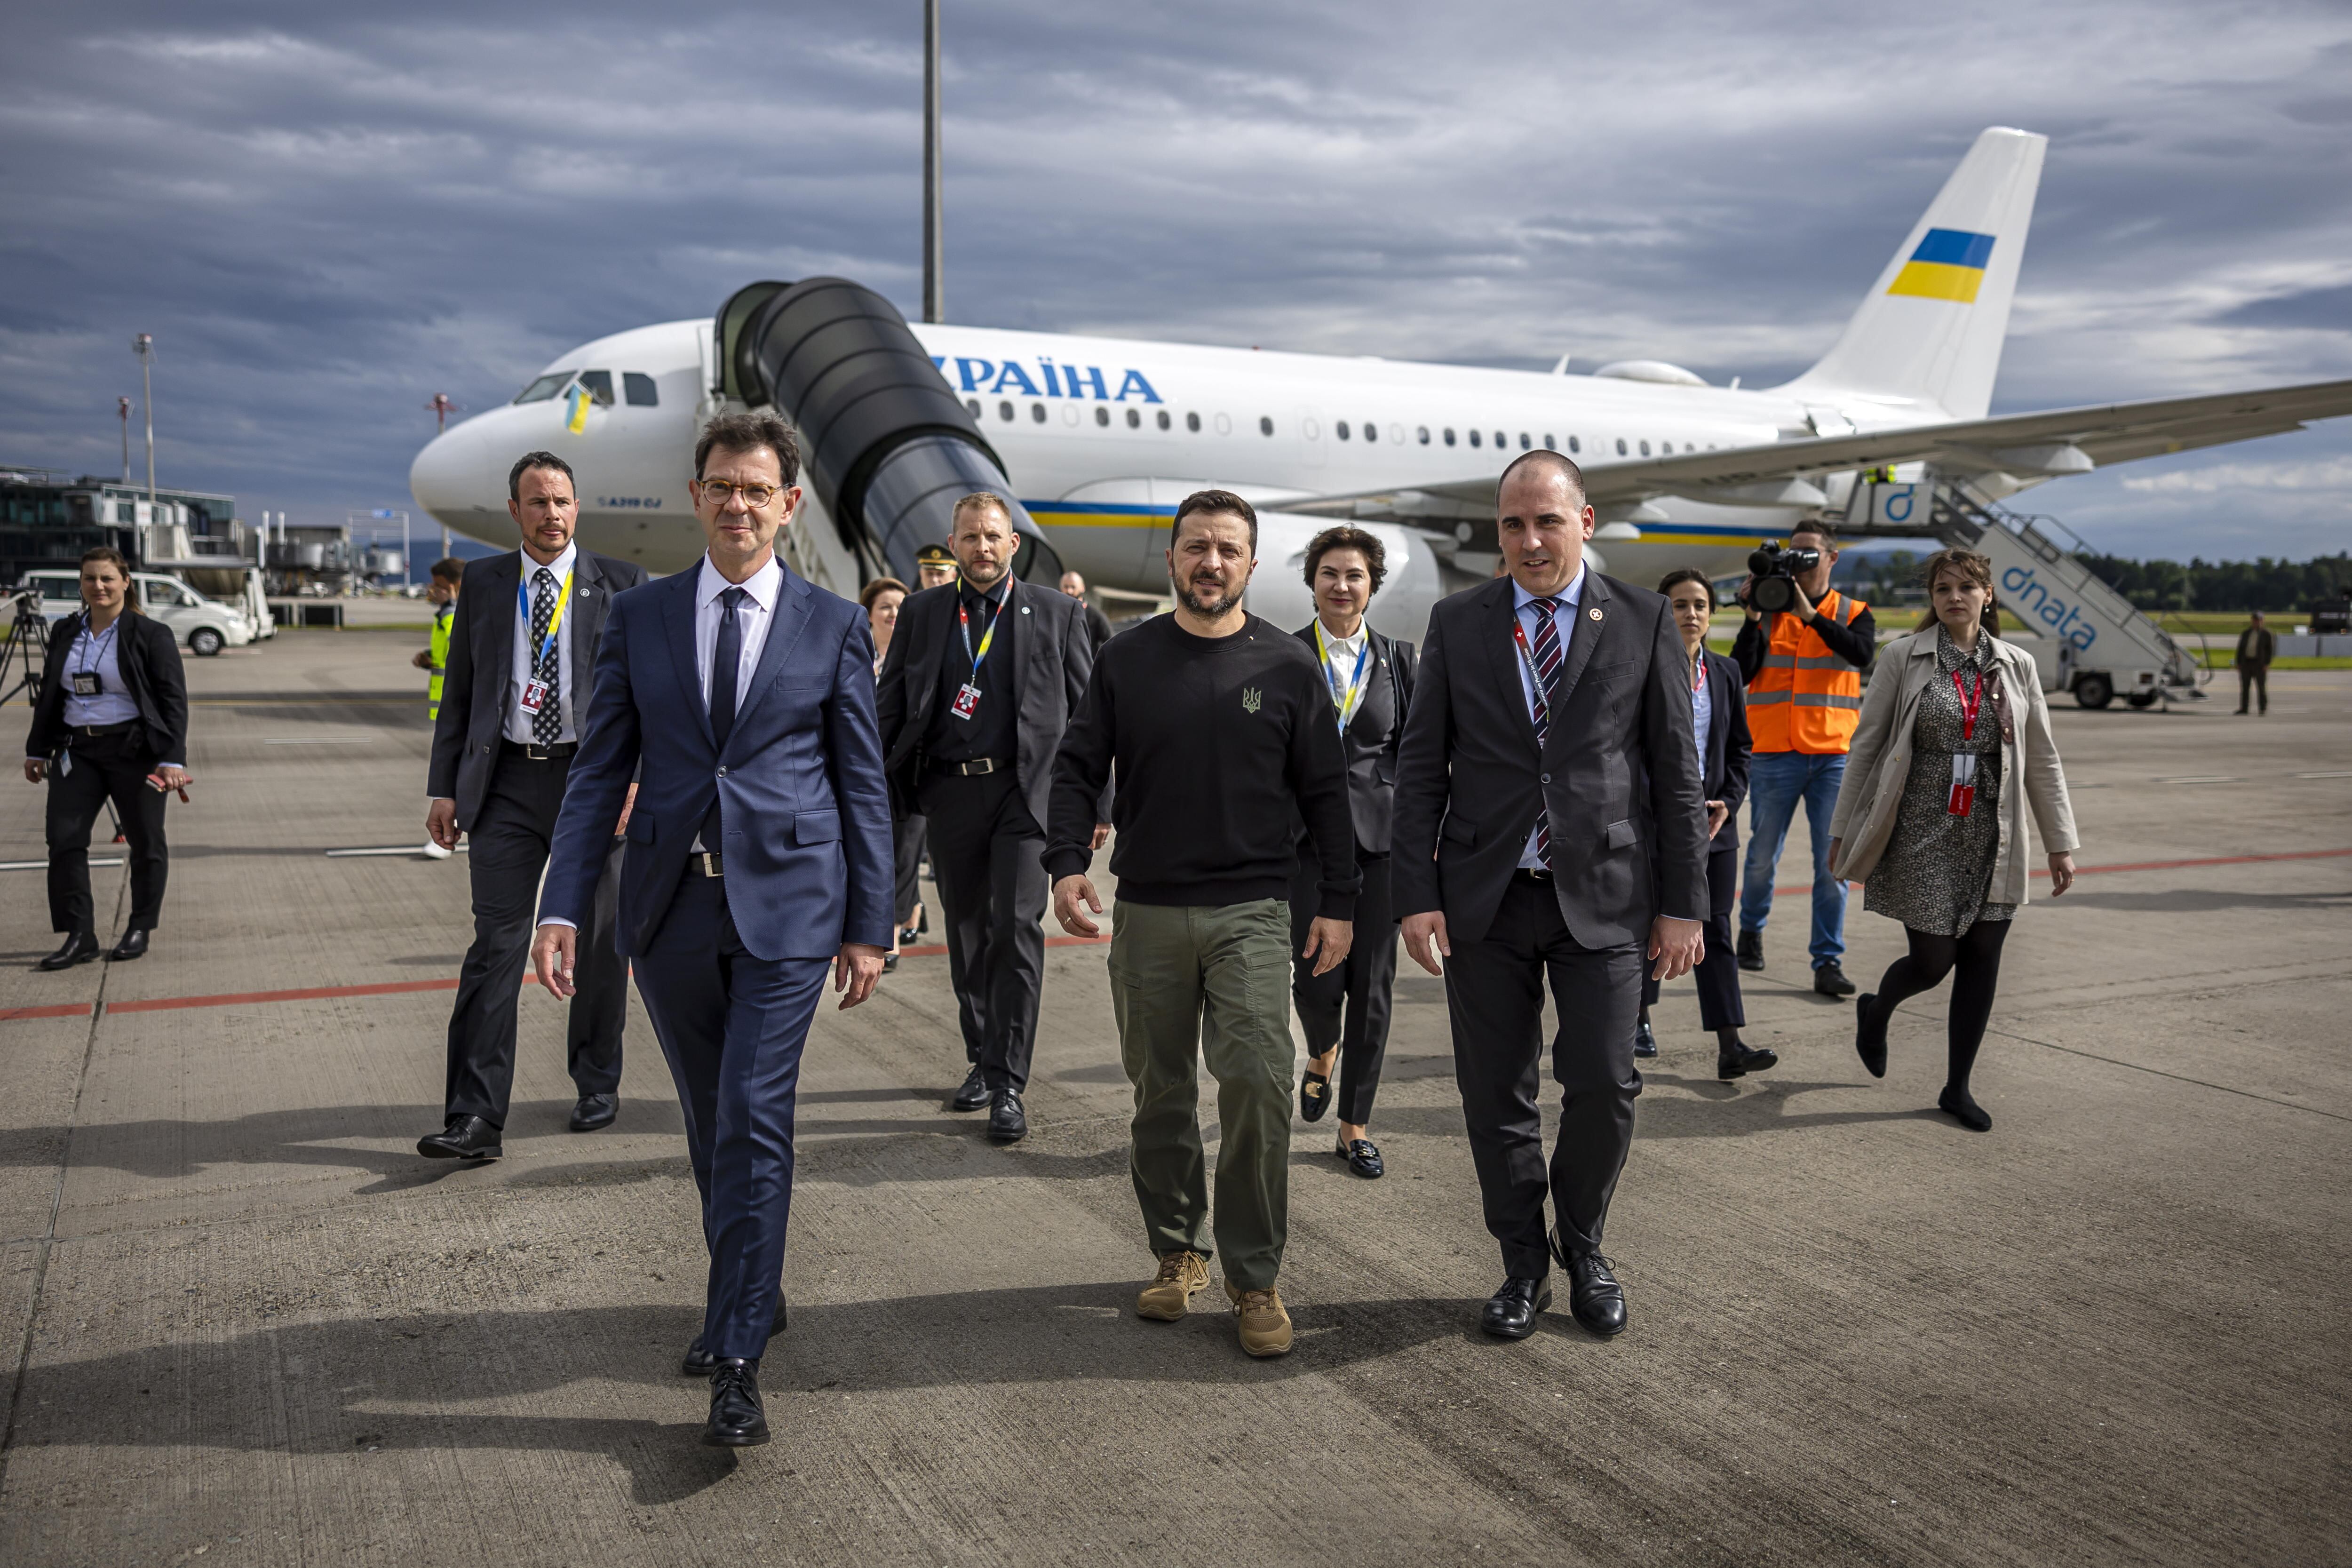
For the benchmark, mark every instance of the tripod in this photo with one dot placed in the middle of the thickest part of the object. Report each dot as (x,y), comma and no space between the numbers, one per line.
(27,646)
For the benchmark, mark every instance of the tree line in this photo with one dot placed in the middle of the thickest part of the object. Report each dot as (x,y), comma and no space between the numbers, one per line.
(2201,585)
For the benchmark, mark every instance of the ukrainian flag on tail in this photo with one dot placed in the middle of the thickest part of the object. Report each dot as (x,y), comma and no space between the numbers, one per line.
(1949,265)
(578,420)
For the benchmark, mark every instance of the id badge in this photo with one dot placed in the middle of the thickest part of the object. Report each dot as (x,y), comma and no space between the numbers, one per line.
(86,683)
(966,700)
(1964,784)
(534,696)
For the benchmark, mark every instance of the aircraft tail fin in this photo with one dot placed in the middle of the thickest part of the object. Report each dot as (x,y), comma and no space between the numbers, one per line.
(1931,329)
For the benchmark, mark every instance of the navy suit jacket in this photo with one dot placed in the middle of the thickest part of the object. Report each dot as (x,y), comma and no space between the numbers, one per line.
(807,851)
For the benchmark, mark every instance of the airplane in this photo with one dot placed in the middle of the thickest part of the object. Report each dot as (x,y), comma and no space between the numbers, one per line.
(1097,438)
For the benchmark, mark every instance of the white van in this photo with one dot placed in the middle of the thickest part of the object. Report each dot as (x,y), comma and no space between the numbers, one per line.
(204,625)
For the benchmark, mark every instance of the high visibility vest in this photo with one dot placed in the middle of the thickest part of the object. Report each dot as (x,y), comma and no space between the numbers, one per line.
(443,619)
(1806,698)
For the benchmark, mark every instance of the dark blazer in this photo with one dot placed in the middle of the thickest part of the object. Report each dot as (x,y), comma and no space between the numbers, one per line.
(1374,734)
(1053,657)
(479,682)
(1618,771)
(807,855)
(149,657)
(1729,746)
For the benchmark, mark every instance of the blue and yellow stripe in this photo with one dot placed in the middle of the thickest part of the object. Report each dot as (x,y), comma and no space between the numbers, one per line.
(1950,264)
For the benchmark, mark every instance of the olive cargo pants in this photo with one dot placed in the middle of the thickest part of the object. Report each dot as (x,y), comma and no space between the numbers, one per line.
(1214,982)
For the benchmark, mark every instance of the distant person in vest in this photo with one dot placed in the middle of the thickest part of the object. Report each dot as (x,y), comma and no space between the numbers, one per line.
(1803,669)
(110,723)
(441,592)
(1345,1010)
(1953,752)
(521,651)
(2257,646)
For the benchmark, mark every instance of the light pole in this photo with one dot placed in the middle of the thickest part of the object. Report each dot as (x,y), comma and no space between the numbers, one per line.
(122,408)
(935,296)
(143,345)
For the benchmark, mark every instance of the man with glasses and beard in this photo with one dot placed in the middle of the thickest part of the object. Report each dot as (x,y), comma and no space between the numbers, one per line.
(1220,727)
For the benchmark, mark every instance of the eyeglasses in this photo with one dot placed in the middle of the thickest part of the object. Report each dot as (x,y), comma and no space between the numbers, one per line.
(717,492)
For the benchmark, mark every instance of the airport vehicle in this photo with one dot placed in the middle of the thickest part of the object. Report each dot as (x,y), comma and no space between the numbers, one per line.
(204,625)
(1098,438)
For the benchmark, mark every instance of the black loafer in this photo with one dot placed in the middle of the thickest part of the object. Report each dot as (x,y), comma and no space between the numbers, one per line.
(1363,1158)
(1740,1060)
(1962,1108)
(1007,1122)
(80,948)
(738,1419)
(973,1094)
(1594,1297)
(1314,1095)
(594,1110)
(1830,981)
(466,1138)
(1870,1033)
(1751,950)
(1511,1312)
(132,945)
(700,1362)
(1645,1043)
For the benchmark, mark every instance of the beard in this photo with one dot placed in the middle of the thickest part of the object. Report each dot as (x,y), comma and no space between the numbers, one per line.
(1207,609)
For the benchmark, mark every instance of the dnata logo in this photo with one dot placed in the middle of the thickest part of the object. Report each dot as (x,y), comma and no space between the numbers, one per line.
(1048,379)
(1949,265)
(2024,592)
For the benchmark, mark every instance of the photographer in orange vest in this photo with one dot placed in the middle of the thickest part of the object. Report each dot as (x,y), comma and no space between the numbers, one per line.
(1804,669)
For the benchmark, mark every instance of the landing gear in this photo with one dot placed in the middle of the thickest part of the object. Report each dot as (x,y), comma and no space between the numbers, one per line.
(2094,690)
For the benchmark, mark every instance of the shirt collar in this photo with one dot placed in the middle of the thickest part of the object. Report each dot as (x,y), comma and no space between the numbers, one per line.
(989,596)
(763,586)
(1568,596)
(561,565)
(1338,644)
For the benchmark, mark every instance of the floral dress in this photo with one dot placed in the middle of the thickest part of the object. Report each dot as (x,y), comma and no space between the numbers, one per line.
(1937,867)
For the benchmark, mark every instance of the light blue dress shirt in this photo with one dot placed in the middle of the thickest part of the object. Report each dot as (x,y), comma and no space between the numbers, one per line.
(1523,607)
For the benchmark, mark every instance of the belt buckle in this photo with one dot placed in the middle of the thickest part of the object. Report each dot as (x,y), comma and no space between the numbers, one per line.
(983,766)
(532,751)
(709,859)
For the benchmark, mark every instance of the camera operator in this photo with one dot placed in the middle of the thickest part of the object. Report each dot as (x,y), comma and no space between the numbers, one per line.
(1803,666)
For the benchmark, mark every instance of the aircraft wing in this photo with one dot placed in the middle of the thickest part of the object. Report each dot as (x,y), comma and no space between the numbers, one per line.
(2030,446)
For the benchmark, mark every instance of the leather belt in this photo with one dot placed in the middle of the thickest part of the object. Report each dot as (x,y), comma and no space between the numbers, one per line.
(976,769)
(1533,879)
(703,863)
(531,752)
(94,730)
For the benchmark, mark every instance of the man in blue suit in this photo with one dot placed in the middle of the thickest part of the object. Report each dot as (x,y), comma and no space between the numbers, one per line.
(758,854)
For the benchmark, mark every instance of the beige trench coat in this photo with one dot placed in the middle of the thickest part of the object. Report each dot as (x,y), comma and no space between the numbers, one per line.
(1881,760)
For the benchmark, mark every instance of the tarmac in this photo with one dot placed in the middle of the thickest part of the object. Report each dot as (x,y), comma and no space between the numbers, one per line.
(246,1323)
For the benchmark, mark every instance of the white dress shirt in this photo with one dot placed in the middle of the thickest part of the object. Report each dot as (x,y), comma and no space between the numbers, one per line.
(1702,711)
(1522,605)
(753,616)
(113,705)
(1339,656)
(518,722)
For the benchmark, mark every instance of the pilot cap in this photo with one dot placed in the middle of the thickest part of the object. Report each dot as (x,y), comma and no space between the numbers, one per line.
(934,555)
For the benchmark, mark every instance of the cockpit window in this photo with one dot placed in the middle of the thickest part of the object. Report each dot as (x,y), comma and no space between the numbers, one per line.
(545,387)
(640,389)
(598,385)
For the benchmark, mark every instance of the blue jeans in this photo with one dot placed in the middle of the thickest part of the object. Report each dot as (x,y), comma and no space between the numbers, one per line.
(1777,781)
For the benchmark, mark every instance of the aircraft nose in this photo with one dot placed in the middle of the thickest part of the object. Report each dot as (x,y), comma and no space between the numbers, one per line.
(460,477)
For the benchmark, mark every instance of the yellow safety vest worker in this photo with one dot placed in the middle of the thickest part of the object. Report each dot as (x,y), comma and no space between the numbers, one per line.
(443,619)
(1806,698)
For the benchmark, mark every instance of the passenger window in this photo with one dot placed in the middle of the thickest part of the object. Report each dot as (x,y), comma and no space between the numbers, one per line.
(1371,431)
(1499,442)
(1192,423)
(1163,419)
(1102,414)
(598,385)
(1424,435)
(1574,445)
(1037,412)
(1449,435)
(971,405)
(1134,420)
(1473,437)
(1265,425)
(545,387)
(1004,410)
(1549,444)
(639,389)
(1342,428)
(1645,448)
(1621,446)
(1525,443)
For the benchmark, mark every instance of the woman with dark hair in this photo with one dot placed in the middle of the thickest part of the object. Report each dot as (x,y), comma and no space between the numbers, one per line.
(1719,714)
(880,600)
(110,723)
(1953,750)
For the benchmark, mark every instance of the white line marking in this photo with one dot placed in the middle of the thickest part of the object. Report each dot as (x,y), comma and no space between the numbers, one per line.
(417,849)
(2338,774)
(2205,778)
(43,865)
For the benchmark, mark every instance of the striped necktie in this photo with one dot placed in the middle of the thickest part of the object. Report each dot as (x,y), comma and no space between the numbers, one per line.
(1547,653)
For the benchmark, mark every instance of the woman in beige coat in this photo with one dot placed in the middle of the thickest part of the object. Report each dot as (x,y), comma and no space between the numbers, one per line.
(1953,750)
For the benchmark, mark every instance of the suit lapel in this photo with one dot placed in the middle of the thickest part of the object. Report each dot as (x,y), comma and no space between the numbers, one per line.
(1024,643)
(587,610)
(678,621)
(1589,619)
(1498,615)
(498,628)
(792,619)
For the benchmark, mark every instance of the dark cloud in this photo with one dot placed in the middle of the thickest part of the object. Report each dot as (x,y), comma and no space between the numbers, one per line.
(325,216)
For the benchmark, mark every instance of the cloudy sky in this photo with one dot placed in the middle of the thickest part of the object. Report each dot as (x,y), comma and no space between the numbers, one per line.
(326,215)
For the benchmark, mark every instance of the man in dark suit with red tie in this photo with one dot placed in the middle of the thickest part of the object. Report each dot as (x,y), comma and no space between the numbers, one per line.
(1549,747)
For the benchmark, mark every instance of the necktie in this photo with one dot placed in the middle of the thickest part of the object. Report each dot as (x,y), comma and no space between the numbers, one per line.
(545,662)
(1548,675)
(724,656)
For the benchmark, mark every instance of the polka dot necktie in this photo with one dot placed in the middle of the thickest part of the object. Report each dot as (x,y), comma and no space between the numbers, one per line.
(546,662)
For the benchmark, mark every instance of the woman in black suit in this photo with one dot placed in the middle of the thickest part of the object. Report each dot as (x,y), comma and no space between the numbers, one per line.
(112,724)
(1719,711)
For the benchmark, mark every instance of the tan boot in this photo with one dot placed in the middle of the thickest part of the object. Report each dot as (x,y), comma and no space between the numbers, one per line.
(1264,1325)
(1182,1276)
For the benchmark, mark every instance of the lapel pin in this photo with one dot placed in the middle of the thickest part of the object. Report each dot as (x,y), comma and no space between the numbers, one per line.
(1595,612)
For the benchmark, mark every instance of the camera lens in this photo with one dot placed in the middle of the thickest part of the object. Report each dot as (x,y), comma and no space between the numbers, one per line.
(1773,594)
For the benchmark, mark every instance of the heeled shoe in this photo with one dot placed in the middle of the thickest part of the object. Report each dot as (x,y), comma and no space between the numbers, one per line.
(1962,1108)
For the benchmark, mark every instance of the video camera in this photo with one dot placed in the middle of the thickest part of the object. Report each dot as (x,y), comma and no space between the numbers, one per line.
(1776,569)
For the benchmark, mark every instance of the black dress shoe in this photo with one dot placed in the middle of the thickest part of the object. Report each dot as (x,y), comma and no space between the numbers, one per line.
(973,1094)
(1870,1033)
(1962,1108)
(700,1362)
(1739,1059)
(1007,1122)
(1830,981)
(80,948)
(594,1110)
(132,945)
(1595,1296)
(906,935)
(1363,1158)
(889,963)
(1511,1312)
(1314,1095)
(738,1419)
(1645,1043)
(466,1138)
(1751,950)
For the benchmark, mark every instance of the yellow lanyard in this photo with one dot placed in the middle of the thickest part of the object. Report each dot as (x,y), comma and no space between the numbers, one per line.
(1345,697)
(555,623)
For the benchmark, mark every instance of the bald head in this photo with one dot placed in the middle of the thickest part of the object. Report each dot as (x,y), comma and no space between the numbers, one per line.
(1541,522)
(1543,460)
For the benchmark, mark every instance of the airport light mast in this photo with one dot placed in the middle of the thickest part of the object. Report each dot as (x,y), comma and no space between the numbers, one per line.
(935,303)
(143,345)
(122,408)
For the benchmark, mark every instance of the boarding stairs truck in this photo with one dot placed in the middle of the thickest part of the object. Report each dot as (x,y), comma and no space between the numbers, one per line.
(2103,647)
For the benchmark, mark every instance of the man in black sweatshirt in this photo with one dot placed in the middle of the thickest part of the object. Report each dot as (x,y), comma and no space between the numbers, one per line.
(1219,726)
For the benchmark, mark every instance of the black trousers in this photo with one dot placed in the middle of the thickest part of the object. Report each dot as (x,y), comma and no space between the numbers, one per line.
(105,767)
(907,868)
(2253,679)
(1493,994)
(1347,1005)
(985,849)
(506,856)
(1717,974)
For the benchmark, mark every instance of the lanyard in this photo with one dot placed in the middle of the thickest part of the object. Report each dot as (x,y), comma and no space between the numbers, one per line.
(555,623)
(99,640)
(1345,698)
(1538,701)
(963,623)
(1699,675)
(1969,701)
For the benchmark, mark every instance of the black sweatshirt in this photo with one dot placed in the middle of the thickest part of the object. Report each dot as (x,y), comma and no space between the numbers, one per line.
(1856,642)
(1222,746)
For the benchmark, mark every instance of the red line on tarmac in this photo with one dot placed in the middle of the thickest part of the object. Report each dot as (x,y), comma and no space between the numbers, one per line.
(69,1010)
(313,994)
